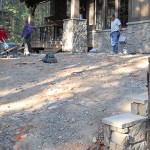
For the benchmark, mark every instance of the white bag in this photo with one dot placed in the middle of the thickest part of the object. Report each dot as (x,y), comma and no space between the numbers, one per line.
(26,51)
(5,45)
(122,39)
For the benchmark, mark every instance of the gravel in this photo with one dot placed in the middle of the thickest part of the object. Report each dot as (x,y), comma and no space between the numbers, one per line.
(47,106)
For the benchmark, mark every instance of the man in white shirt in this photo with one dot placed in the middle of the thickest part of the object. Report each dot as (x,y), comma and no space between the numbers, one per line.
(115,32)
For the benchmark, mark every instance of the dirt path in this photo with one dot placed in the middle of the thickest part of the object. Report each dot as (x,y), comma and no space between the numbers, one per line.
(46,106)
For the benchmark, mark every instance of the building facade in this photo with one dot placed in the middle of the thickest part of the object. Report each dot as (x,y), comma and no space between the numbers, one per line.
(85,24)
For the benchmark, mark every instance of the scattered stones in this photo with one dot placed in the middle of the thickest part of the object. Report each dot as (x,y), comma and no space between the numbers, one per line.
(64,102)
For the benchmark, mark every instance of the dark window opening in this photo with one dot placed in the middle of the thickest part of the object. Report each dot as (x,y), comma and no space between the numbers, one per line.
(109,7)
(123,12)
(82,10)
(99,14)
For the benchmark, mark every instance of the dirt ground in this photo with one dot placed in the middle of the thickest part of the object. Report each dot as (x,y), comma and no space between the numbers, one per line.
(60,106)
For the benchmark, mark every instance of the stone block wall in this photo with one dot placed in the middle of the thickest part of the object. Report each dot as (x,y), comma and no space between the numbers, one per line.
(102,42)
(75,35)
(127,131)
(138,37)
(129,138)
(139,109)
(76,38)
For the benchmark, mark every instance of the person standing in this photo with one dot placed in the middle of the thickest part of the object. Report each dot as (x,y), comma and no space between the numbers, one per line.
(115,32)
(3,34)
(26,35)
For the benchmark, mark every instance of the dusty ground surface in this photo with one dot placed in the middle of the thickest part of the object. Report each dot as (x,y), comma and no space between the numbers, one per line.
(60,106)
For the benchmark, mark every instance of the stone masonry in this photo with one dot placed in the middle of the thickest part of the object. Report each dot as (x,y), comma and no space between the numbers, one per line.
(138,37)
(75,35)
(127,131)
(102,42)
(76,38)
(137,34)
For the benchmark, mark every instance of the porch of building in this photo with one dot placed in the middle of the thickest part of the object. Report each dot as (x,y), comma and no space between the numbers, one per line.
(84,24)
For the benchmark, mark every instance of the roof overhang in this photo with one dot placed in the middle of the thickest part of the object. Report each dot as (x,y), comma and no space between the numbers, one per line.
(32,3)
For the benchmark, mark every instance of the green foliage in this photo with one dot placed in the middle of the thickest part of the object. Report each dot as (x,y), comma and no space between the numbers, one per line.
(42,11)
(13,16)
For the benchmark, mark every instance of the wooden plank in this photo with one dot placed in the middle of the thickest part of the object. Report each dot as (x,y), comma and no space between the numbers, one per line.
(8,50)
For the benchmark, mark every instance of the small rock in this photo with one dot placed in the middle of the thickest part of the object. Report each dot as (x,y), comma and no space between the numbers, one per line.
(60,137)
(52,107)
(73,120)
(94,140)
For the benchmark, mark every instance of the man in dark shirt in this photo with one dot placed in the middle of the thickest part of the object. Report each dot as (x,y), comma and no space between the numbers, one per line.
(26,35)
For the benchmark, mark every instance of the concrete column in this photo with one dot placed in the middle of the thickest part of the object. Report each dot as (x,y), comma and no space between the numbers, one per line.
(75,6)
(117,8)
(91,13)
(75,35)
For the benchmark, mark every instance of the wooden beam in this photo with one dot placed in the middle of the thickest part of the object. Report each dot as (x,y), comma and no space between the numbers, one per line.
(104,7)
(116,8)
(75,6)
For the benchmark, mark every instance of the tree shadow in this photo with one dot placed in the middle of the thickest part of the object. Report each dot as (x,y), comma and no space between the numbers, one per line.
(72,114)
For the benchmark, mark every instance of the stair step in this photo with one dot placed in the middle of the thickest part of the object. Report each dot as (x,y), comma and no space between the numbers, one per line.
(139,98)
(123,120)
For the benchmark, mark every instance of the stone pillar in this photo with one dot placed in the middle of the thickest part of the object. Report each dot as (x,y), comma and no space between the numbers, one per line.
(138,35)
(75,35)
(75,4)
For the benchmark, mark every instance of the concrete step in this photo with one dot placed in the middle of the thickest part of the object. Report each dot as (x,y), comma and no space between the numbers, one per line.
(123,120)
(139,104)
(139,98)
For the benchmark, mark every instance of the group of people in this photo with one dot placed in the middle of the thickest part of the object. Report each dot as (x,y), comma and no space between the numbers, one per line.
(26,35)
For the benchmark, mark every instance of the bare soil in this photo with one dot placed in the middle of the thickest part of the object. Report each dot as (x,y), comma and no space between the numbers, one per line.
(60,106)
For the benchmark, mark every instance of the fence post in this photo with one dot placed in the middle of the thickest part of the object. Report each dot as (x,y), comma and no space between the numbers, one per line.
(148,120)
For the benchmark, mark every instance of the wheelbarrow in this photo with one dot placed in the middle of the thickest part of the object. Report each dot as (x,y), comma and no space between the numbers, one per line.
(10,50)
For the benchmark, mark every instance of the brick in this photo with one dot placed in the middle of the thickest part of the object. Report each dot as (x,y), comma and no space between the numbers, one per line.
(113,146)
(137,133)
(134,108)
(123,120)
(107,131)
(118,147)
(106,141)
(142,109)
(125,130)
(120,139)
(137,146)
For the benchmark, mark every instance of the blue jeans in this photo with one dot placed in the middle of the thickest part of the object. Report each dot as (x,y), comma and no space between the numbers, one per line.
(114,41)
(28,40)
